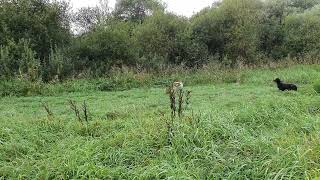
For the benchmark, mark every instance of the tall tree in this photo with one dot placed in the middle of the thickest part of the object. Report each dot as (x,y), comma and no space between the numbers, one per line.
(44,22)
(136,10)
(303,32)
(87,18)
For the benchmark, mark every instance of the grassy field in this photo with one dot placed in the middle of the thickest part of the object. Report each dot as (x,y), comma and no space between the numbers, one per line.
(246,130)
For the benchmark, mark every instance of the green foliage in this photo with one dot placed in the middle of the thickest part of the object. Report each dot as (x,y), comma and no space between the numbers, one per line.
(58,66)
(36,43)
(41,21)
(303,5)
(166,37)
(19,60)
(20,88)
(271,32)
(242,34)
(30,64)
(136,10)
(230,30)
(29,29)
(303,32)
(5,70)
(207,28)
(109,45)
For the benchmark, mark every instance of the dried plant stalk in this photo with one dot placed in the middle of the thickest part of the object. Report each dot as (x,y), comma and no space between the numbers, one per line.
(48,110)
(74,108)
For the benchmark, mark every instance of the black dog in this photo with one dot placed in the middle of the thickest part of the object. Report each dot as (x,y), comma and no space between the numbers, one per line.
(282,86)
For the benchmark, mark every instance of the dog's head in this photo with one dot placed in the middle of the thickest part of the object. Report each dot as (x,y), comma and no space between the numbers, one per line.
(277,80)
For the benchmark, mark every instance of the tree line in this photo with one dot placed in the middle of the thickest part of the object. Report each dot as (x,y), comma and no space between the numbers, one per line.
(44,40)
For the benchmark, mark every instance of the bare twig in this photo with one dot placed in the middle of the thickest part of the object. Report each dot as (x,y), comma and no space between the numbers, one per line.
(172,96)
(74,107)
(48,110)
(180,103)
(85,111)
(188,99)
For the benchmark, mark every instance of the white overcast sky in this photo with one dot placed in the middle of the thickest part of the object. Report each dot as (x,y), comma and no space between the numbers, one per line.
(180,7)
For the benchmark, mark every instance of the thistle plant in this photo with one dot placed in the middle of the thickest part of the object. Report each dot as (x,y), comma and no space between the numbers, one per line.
(179,100)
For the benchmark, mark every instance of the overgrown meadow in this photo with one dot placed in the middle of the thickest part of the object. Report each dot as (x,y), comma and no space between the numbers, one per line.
(237,126)
(83,91)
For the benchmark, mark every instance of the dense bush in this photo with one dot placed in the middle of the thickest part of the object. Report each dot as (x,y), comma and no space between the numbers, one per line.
(20,88)
(109,45)
(166,37)
(36,43)
(43,22)
(230,30)
(18,59)
(302,32)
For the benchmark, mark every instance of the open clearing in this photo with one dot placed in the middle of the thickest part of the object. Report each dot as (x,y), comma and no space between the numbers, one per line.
(230,131)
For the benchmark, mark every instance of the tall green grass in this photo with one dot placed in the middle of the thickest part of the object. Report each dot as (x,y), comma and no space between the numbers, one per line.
(245,130)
